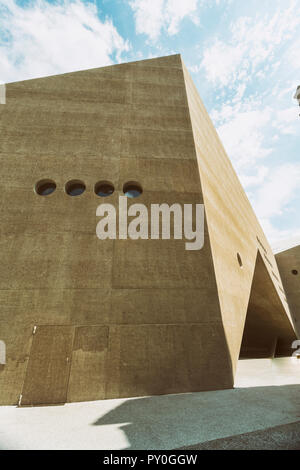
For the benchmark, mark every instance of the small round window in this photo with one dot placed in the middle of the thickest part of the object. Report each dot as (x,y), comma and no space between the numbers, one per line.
(132,189)
(295,272)
(45,187)
(239,260)
(104,188)
(75,188)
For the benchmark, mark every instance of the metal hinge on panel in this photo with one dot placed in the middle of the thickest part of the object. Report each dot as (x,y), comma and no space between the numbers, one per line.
(34,330)
(20,400)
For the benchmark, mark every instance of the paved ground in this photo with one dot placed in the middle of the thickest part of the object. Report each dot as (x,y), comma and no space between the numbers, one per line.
(285,437)
(170,421)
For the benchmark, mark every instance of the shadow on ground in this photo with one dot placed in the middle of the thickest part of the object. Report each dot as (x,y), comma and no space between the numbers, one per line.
(160,422)
(173,421)
(284,437)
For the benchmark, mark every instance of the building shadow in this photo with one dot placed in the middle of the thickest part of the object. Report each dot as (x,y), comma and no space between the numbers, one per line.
(174,421)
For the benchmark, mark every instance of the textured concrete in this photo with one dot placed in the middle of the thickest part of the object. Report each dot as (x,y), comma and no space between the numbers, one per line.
(134,317)
(289,267)
(234,230)
(285,437)
(268,396)
(265,319)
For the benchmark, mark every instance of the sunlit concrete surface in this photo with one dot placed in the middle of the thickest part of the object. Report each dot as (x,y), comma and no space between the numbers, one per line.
(268,396)
(267,372)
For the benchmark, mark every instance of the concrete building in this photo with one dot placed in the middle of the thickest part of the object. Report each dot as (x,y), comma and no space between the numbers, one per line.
(288,262)
(87,319)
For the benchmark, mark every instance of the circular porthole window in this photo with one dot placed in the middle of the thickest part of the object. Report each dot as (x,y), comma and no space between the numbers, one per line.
(45,187)
(239,260)
(295,272)
(75,188)
(104,188)
(132,189)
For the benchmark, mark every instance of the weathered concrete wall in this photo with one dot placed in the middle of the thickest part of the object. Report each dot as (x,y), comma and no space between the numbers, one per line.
(233,229)
(266,332)
(117,318)
(153,305)
(289,267)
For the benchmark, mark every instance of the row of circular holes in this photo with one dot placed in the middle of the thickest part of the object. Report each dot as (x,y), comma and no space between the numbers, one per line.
(102,189)
(77,187)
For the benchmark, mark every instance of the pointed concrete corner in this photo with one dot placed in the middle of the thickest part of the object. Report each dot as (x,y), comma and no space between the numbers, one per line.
(234,232)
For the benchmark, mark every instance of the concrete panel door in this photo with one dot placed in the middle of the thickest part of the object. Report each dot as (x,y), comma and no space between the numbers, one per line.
(48,369)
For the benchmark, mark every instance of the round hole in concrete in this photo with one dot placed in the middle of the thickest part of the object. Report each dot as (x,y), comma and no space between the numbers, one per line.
(45,187)
(295,272)
(104,188)
(132,189)
(75,187)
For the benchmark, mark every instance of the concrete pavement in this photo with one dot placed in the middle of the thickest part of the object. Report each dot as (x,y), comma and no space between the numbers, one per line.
(267,396)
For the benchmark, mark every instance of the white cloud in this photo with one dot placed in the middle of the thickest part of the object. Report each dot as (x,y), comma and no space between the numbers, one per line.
(278,191)
(252,45)
(148,16)
(240,93)
(44,39)
(176,10)
(221,62)
(152,17)
(241,129)
(279,92)
(287,120)
(260,53)
(283,240)
(293,54)
(278,195)
(256,177)
(280,239)
(247,132)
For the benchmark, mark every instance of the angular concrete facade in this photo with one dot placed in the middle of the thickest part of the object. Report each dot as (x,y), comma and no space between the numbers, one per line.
(85,319)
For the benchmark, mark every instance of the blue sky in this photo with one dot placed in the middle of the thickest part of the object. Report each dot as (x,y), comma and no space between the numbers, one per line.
(243,57)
